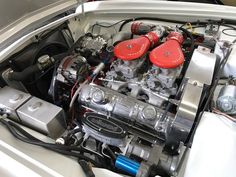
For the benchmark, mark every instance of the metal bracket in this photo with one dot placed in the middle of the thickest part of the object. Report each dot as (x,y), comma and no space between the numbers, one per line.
(81,3)
(199,73)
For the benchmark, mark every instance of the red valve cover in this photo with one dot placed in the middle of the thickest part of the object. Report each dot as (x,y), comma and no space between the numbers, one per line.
(135,48)
(168,55)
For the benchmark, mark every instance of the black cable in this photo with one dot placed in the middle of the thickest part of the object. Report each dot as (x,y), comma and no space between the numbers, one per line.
(189,34)
(146,18)
(223,22)
(112,154)
(77,155)
(49,32)
(105,26)
(160,19)
(86,168)
(74,131)
(229,29)
(32,140)
(219,71)
(65,150)
(196,24)
(108,26)
(126,21)
(44,144)
(26,134)
(199,26)
(57,146)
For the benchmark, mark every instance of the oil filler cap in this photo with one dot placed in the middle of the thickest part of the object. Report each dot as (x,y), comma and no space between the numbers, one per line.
(98,96)
(149,113)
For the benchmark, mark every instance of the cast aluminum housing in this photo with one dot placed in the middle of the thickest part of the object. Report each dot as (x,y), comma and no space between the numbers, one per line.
(111,103)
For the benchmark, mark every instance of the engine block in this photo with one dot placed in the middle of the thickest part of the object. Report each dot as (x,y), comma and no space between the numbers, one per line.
(126,108)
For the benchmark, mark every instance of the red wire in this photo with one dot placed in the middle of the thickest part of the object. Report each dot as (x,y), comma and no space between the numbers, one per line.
(73,89)
(223,114)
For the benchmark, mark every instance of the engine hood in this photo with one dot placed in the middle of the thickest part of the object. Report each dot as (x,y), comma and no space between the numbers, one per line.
(21,20)
(20,17)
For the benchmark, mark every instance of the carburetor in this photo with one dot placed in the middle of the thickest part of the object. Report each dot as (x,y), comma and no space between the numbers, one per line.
(150,77)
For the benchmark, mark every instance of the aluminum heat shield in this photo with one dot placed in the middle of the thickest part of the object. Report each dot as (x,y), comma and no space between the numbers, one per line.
(199,73)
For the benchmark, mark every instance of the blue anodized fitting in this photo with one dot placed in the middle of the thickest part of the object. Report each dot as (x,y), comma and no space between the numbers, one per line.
(127,165)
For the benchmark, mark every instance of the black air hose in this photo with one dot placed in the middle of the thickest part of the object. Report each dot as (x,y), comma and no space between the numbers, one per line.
(43,62)
(24,136)
(25,74)
(189,34)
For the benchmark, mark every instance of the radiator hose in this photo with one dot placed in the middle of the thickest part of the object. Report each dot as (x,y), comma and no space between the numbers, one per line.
(43,62)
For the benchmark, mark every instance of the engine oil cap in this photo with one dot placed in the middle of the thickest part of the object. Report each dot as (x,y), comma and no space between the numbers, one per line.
(98,96)
(149,113)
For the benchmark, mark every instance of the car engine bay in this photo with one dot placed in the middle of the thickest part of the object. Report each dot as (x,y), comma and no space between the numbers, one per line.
(126,96)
